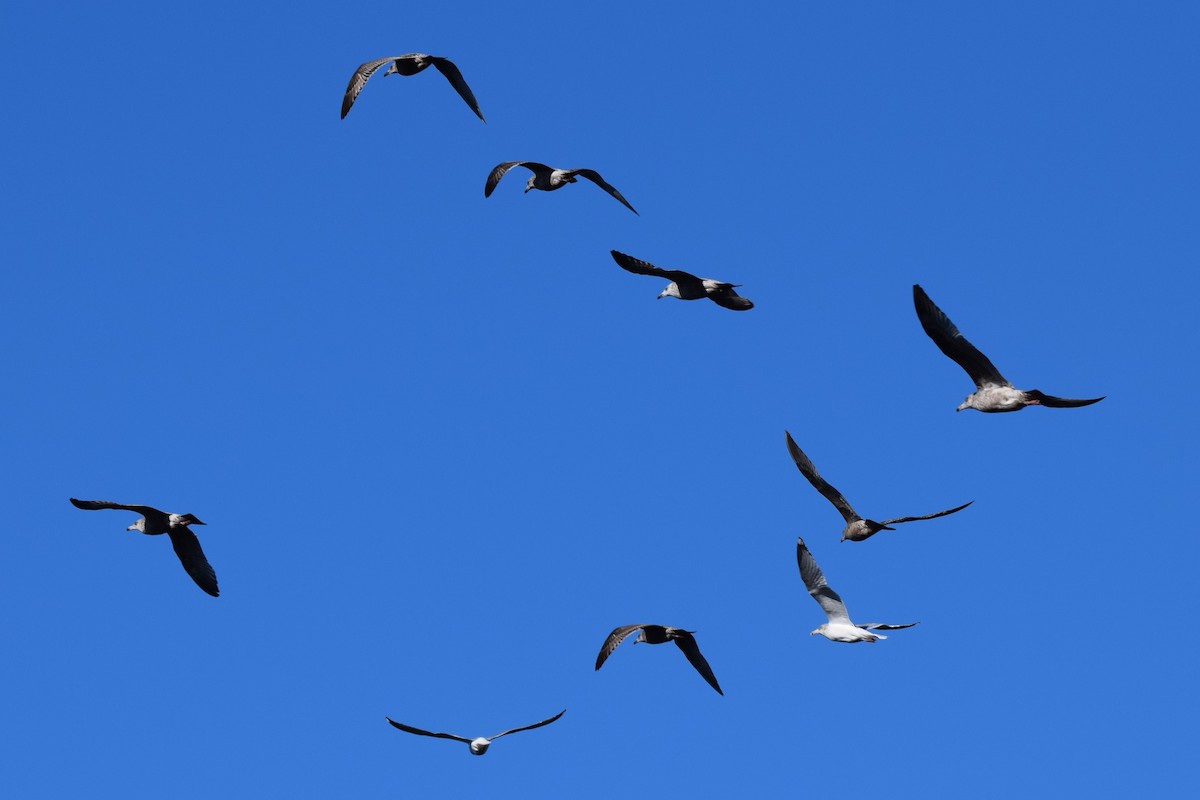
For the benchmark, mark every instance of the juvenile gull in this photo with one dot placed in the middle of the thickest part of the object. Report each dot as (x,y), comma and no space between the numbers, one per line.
(409,64)
(856,528)
(686,286)
(153,523)
(839,628)
(993,392)
(478,745)
(658,634)
(548,179)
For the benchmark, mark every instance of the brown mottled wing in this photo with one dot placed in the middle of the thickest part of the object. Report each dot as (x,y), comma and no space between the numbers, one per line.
(728,298)
(529,727)
(614,641)
(805,465)
(595,178)
(419,732)
(187,547)
(1059,402)
(814,581)
(898,520)
(498,172)
(948,339)
(687,643)
(359,79)
(447,68)
(639,267)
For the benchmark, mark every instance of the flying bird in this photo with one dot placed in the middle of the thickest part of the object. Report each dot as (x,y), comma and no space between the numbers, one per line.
(993,392)
(153,523)
(409,64)
(686,286)
(658,634)
(478,746)
(839,628)
(548,179)
(857,528)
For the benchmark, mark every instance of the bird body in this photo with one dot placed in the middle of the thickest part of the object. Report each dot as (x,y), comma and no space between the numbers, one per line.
(547,179)
(857,528)
(838,626)
(154,523)
(661,634)
(408,64)
(479,745)
(993,392)
(686,286)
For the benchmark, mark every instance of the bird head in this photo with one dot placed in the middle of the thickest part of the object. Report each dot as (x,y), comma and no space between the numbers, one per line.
(966,403)
(820,630)
(529,183)
(479,746)
(140,525)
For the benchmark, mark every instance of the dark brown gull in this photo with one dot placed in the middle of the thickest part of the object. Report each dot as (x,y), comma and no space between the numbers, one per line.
(479,745)
(659,634)
(153,523)
(838,628)
(548,179)
(993,393)
(408,64)
(856,528)
(685,285)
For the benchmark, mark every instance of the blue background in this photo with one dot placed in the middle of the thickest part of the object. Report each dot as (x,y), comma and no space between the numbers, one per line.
(444,444)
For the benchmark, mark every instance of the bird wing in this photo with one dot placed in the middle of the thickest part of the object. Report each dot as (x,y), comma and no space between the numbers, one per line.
(687,643)
(94,505)
(529,727)
(359,79)
(496,174)
(639,267)
(613,642)
(447,68)
(418,731)
(805,465)
(948,339)
(187,547)
(898,520)
(814,581)
(595,178)
(883,626)
(1058,402)
(728,298)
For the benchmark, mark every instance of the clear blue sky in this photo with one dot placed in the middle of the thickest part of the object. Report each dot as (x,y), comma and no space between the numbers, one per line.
(444,444)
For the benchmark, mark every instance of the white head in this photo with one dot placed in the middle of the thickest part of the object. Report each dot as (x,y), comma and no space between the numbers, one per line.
(820,630)
(140,525)
(529,184)
(479,746)
(967,402)
(672,290)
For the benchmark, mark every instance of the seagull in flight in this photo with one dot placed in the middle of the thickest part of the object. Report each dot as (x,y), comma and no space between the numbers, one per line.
(857,529)
(548,179)
(409,64)
(839,628)
(479,745)
(658,634)
(153,523)
(993,392)
(686,286)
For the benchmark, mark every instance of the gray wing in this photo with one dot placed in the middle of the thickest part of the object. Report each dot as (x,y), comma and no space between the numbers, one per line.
(447,68)
(496,174)
(898,520)
(728,298)
(639,267)
(805,465)
(187,547)
(613,642)
(687,643)
(419,732)
(529,727)
(948,339)
(814,581)
(595,178)
(94,505)
(359,79)
(883,626)
(1058,402)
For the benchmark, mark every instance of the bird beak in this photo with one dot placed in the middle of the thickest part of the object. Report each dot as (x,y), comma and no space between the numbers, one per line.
(527,188)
